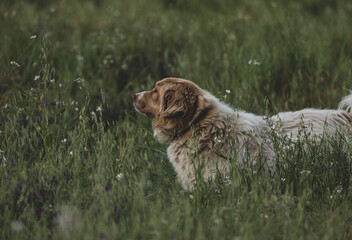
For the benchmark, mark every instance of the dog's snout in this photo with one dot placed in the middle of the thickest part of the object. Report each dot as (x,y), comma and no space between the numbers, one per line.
(137,96)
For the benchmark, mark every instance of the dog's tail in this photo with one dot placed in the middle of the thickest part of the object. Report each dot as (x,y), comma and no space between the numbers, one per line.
(346,103)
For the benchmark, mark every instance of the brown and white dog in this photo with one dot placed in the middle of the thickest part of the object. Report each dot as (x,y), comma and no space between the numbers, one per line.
(202,131)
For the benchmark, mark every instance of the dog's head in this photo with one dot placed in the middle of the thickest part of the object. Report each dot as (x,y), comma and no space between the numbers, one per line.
(174,103)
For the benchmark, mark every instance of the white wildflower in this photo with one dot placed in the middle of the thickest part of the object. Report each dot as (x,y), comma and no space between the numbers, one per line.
(99,109)
(71,153)
(60,85)
(77,109)
(227,181)
(290,137)
(119,176)
(191,196)
(254,62)
(34,37)
(36,78)
(64,140)
(15,64)
(283,179)
(78,80)
(92,113)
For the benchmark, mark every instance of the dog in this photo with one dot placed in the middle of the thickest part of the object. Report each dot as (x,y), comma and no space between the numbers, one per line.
(204,132)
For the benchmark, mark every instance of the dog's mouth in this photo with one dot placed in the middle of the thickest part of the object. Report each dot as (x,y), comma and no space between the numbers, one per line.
(140,107)
(138,104)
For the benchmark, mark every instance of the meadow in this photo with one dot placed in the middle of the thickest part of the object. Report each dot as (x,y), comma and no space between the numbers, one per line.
(78,162)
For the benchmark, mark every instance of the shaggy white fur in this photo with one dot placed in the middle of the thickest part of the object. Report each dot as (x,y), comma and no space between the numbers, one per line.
(204,133)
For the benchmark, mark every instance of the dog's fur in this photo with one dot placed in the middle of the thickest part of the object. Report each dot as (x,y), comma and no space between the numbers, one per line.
(202,131)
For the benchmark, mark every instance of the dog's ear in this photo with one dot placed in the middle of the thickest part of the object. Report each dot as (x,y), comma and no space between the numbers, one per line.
(174,104)
(177,107)
(201,104)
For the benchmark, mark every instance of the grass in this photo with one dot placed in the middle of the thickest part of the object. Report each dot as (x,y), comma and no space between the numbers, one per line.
(77,162)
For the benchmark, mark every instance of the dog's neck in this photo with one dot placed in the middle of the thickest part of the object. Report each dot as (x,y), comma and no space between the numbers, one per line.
(165,135)
(197,120)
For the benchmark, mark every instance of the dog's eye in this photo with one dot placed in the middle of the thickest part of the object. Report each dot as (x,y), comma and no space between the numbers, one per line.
(155,90)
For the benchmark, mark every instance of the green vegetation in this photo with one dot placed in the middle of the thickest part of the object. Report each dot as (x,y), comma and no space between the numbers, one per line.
(77,162)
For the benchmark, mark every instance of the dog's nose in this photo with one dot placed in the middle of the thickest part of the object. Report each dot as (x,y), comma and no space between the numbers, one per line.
(135,96)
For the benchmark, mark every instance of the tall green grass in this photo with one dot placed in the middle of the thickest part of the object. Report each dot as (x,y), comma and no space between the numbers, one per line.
(77,162)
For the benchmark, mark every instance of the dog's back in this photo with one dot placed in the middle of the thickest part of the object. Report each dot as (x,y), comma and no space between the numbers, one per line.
(314,122)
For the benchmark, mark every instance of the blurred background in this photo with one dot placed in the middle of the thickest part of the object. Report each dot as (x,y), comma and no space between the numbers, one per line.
(273,55)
